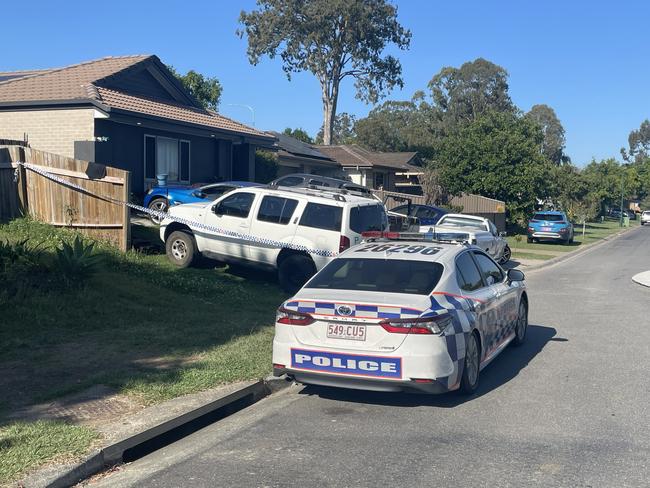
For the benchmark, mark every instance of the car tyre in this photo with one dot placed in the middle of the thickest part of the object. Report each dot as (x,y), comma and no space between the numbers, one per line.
(522,324)
(471,366)
(294,271)
(529,240)
(507,254)
(158,205)
(181,248)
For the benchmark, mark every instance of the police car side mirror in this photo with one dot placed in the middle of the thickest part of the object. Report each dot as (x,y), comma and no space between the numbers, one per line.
(515,275)
(216,210)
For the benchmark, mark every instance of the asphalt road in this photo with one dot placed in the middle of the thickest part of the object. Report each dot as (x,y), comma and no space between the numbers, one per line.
(569,408)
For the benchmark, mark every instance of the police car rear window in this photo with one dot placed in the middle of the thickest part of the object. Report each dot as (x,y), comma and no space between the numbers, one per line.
(383,276)
(326,217)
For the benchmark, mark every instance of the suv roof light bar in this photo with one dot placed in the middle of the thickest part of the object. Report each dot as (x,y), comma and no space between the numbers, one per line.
(441,237)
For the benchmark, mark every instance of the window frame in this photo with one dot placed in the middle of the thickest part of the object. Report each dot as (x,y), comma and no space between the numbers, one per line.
(226,197)
(459,272)
(155,162)
(478,265)
(286,200)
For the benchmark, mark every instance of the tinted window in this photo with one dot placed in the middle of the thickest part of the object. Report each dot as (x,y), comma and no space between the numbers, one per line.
(548,217)
(386,276)
(369,217)
(490,271)
(402,209)
(469,277)
(216,191)
(318,183)
(290,181)
(237,205)
(277,210)
(320,216)
(461,222)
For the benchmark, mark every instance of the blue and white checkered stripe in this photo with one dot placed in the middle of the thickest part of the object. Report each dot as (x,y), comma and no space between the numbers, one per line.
(357,310)
(193,224)
(463,319)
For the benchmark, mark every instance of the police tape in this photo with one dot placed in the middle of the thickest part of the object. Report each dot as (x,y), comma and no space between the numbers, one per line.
(192,224)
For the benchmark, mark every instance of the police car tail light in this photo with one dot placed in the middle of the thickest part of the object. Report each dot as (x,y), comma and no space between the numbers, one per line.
(291,317)
(423,325)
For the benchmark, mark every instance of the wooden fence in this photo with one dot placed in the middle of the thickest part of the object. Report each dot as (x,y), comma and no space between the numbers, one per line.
(495,210)
(25,192)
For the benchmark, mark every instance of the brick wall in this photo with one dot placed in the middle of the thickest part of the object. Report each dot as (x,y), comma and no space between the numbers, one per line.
(49,130)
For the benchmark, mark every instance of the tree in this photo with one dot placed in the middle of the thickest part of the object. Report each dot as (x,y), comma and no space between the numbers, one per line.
(497,155)
(266,166)
(464,94)
(397,126)
(342,130)
(639,143)
(205,89)
(333,39)
(432,189)
(299,134)
(604,180)
(554,141)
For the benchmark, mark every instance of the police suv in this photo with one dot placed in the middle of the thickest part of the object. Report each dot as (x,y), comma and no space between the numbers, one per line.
(401,312)
(295,231)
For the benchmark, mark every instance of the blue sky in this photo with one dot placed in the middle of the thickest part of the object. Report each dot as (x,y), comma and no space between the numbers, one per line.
(586,59)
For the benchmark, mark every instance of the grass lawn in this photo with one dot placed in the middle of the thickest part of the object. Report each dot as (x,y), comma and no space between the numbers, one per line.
(594,231)
(139,325)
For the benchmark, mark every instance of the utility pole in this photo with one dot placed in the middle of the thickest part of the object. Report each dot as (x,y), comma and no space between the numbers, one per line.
(620,223)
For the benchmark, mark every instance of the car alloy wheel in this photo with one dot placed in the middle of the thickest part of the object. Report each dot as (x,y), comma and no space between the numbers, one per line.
(507,254)
(158,205)
(179,249)
(522,324)
(472,360)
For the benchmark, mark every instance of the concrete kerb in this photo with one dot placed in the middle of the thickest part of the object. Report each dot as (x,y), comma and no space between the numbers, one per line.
(580,250)
(113,454)
(642,279)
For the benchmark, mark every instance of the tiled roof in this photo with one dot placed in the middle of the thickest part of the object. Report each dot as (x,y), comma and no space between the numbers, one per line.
(83,82)
(66,83)
(177,112)
(355,155)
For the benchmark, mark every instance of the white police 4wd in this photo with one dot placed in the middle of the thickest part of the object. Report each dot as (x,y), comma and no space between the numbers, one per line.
(295,231)
(399,312)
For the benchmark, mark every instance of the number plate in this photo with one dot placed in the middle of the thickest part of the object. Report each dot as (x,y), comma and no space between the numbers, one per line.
(546,229)
(351,332)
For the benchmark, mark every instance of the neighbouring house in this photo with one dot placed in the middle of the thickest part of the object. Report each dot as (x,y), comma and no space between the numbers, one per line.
(295,156)
(130,112)
(392,171)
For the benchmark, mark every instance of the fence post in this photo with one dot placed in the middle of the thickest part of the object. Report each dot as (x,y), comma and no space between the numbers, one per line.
(126,234)
(22,183)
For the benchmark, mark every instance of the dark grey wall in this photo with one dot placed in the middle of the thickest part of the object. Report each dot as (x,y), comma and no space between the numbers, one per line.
(125,150)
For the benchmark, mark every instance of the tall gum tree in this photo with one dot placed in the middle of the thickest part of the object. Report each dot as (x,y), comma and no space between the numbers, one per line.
(333,39)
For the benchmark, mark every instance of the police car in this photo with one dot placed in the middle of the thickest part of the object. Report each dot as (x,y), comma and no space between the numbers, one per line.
(401,312)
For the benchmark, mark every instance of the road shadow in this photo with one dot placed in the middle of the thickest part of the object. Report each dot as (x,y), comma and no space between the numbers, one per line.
(512,263)
(503,369)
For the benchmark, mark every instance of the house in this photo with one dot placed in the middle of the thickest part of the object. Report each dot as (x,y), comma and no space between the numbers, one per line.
(130,112)
(296,156)
(392,171)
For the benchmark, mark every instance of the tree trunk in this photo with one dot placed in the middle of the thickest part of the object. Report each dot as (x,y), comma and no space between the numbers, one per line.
(330,98)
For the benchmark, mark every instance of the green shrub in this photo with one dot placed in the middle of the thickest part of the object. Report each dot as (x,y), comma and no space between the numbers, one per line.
(22,267)
(76,262)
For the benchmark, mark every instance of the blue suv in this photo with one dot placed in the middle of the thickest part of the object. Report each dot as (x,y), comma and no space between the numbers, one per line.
(550,225)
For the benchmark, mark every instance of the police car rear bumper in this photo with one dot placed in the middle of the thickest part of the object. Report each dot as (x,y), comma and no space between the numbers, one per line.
(369,384)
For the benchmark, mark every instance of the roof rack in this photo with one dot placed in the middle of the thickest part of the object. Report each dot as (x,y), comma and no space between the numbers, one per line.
(337,194)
